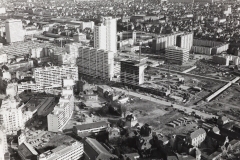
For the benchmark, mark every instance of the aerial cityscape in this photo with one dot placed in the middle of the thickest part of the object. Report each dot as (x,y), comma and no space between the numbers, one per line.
(119,80)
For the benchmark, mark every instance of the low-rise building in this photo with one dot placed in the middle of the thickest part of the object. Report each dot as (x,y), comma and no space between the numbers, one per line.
(67,151)
(41,106)
(101,89)
(131,120)
(197,137)
(21,136)
(3,58)
(90,128)
(113,133)
(222,120)
(93,150)
(27,152)
(89,95)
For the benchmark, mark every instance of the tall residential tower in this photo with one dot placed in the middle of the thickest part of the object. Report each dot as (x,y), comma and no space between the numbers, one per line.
(14,30)
(105,35)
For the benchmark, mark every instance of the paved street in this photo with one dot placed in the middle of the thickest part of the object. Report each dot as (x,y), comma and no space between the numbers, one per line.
(149,98)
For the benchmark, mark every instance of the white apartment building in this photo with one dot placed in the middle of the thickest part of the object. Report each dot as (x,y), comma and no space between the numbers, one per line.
(3,58)
(11,115)
(100,37)
(105,35)
(54,75)
(62,111)
(68,151)
(2,10)
(14,30)
(69,58)
(96,62)
(177,55)
(84,25)
(27,86)
(3,144)
(72,48)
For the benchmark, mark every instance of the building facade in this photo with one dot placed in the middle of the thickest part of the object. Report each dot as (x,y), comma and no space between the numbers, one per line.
(100,39)
(105,35)
(3,58)
(185,40)
(11,116)
(163,41)
(93,150)
(67,151)
(197,137)
(132,71)
(177,55)
(54,75)
(3,144)
(96,63)
(14,30)
(90,128)
(62,111)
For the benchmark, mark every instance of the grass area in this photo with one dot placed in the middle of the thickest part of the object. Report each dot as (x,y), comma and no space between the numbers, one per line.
(227,103)
(219,108)
(146,109)
(230,96)
(59,140)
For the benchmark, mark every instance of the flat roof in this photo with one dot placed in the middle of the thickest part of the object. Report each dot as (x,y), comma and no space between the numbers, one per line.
(91,125)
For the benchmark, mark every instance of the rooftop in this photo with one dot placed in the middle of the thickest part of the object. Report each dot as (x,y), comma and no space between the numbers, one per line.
(197,133)
(28,151)
(61,150)
(97,147)
(91,125)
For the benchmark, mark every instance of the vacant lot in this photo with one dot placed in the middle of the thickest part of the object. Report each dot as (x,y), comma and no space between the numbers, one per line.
(231,96)
(220,107)
(158,121)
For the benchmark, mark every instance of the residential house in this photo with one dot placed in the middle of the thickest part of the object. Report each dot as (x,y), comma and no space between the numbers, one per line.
(218,141)
(130,156)
(214,156)
(231,134)
(197,137)
(159,139)
(131,120)
(236,128)
(145,130)
(210,128)
(144,145)
(83,85)
(21,136)
(113,132)
(222,120)
(89,95)
(101,89)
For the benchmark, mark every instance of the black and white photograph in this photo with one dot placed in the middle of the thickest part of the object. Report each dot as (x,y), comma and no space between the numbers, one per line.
(119,79)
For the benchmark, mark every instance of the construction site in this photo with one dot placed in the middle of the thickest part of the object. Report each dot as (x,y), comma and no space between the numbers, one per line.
(227,103)
(180,88)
